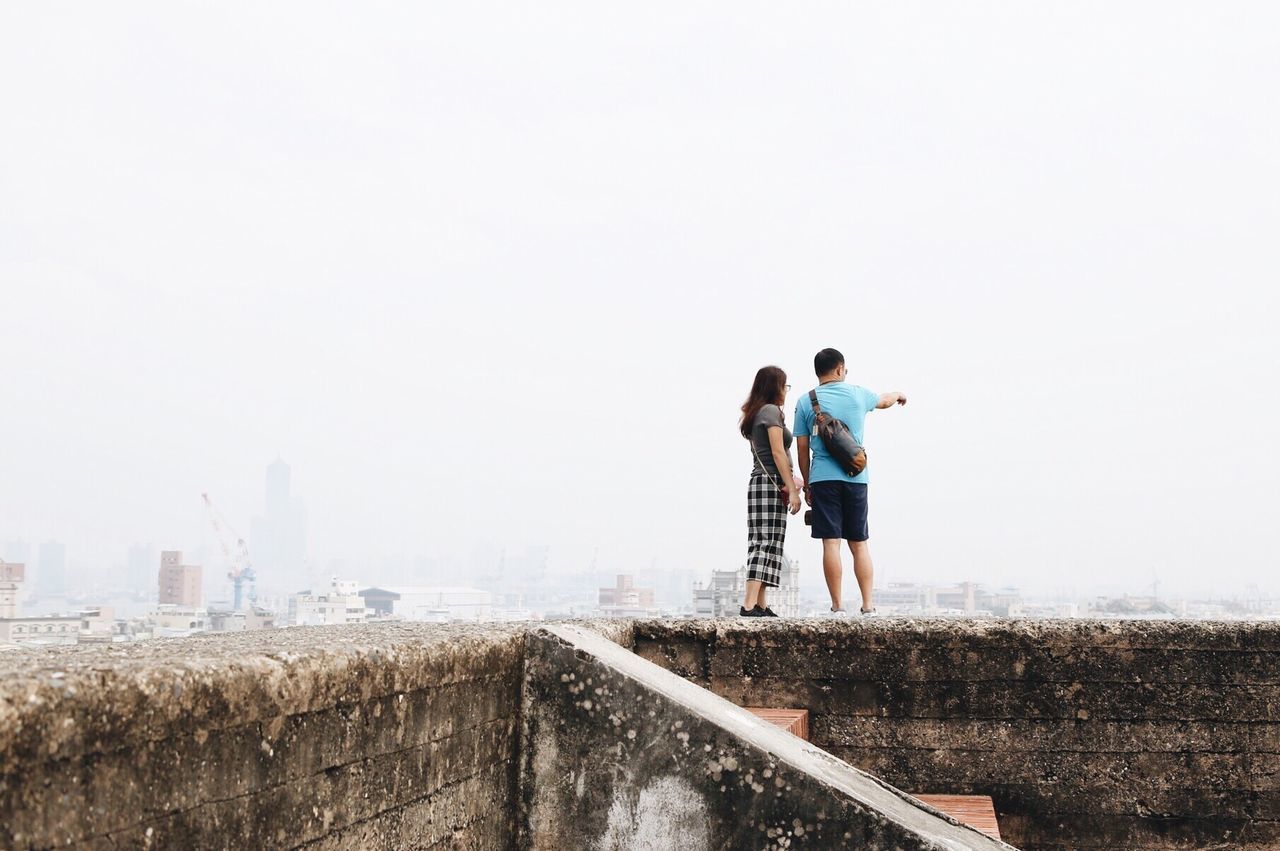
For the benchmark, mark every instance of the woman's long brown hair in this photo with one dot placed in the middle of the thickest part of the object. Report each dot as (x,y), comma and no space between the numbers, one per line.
(769,387)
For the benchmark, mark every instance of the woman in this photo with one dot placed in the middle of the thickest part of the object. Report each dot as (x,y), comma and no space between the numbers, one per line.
(771,491)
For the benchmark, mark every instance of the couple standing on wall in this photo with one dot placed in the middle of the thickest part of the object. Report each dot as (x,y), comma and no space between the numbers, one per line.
(837,495)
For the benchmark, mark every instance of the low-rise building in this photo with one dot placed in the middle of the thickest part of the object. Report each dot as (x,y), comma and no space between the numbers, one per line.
(512,615)
(625,600)
(723,596)
(904,597)
(254,617)
(41,631)
(1131,606)
(964,598)
(341,604)
(169,620)
(98,623)
(430,603)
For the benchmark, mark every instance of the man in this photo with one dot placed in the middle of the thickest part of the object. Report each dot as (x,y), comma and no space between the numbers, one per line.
(838,498)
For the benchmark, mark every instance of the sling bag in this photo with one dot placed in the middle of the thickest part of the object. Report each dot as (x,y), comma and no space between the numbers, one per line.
(839,441)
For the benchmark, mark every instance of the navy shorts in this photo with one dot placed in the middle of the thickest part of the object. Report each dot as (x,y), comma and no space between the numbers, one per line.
(839,510)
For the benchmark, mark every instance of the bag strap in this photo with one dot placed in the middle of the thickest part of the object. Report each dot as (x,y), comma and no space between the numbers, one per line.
(813,400)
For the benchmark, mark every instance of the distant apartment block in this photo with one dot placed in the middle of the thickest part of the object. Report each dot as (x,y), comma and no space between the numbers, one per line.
(723,596)
(180,584)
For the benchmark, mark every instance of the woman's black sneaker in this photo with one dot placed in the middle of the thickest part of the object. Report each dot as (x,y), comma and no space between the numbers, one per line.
(750,613)
(766,612)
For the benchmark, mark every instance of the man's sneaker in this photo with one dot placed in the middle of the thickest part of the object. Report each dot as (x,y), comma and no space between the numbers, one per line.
(766,611)
(744,612)
(837,613)
(870,611)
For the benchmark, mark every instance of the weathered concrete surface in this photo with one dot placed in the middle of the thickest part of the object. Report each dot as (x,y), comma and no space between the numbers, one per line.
(620,754)
(1117,735)
(1088,734)
(380,736)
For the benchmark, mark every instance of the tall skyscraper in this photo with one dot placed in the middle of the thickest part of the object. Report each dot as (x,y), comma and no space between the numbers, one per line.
(51,568)
(179,583)
(278,538)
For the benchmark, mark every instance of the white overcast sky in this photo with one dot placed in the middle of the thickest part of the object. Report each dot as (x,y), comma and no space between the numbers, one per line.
(504,272)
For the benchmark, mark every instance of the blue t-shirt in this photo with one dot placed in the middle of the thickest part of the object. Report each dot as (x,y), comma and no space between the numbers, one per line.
(846,402)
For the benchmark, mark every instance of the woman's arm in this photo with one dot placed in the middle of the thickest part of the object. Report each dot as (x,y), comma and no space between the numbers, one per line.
(802,452)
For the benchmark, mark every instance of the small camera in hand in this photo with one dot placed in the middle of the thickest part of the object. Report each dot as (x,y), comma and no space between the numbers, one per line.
(808,517)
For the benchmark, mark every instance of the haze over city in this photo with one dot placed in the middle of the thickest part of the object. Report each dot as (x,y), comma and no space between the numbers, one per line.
(500,277)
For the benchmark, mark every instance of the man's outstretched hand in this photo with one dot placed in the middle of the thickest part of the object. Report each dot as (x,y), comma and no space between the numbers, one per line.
(888,400)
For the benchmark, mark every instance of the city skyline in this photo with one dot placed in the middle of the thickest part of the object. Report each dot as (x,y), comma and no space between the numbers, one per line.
(287,565)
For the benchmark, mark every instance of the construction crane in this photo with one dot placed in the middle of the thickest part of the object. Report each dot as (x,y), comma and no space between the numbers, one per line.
(237,556)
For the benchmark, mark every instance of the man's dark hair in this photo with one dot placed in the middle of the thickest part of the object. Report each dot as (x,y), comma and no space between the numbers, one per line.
(826,360)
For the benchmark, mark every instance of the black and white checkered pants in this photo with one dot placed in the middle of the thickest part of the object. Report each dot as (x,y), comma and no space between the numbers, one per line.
(766,529)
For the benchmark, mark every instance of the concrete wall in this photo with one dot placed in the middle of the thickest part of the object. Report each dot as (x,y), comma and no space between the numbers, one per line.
(382,736)
(621,755)
(1133,735)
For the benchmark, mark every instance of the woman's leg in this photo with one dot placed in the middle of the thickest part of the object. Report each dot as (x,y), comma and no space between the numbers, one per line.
(771,560)
(760,498)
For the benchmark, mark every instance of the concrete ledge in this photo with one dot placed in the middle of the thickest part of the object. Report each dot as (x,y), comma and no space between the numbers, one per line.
(618,753)
(280,739)
(65,702)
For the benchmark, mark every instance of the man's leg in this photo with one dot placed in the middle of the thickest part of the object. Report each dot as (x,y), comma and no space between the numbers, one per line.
(828,501)
(857,533)
(831,569)
(862,570)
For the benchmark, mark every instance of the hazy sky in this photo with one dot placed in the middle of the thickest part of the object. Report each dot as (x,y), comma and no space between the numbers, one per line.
(504,272)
